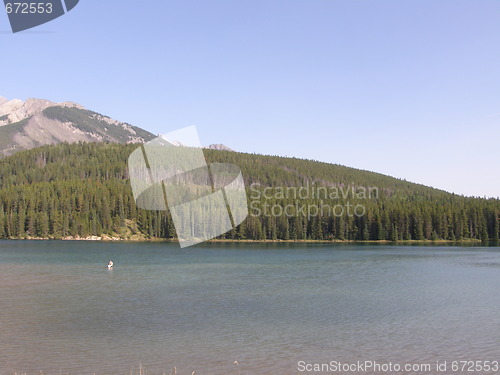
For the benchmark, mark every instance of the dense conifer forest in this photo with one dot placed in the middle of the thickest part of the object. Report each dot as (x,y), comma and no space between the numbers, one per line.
(81,190)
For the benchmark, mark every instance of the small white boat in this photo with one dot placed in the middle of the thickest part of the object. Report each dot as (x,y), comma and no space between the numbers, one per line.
(110,265)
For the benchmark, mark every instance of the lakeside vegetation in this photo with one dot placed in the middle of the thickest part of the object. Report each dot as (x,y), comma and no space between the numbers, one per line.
(82,190)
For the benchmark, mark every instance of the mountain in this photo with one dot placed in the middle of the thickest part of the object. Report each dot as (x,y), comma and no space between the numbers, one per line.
(36,122)
(82,190)
(220,147)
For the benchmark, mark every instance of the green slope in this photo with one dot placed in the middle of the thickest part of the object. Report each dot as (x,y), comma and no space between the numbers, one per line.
(83,189)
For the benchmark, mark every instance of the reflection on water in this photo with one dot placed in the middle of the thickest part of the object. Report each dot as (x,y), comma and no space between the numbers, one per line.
(266,306)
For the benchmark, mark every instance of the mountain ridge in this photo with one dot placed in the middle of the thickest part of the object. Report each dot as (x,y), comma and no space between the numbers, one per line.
(36,122)
(15,110)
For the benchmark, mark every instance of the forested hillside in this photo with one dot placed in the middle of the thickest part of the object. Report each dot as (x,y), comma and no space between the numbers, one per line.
(81,190)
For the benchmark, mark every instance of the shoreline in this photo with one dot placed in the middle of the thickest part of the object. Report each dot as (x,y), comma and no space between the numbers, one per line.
(140,239)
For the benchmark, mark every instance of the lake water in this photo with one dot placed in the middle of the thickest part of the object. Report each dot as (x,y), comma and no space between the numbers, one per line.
(267,306)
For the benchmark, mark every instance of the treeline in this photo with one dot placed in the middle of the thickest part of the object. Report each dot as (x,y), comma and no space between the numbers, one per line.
(82,189)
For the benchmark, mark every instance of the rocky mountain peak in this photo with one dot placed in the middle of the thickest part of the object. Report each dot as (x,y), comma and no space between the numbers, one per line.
(15,110)
(220,147)
(35,122)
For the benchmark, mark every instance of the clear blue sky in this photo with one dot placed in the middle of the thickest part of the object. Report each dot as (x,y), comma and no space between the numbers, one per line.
(406,88)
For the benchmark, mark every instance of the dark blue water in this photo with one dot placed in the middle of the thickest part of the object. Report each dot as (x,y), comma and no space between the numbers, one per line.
(266,306)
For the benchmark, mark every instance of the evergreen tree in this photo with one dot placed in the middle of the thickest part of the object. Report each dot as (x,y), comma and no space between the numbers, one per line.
(82,189)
